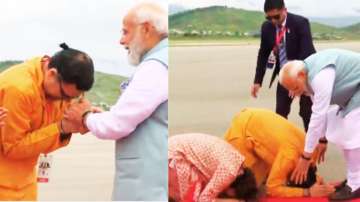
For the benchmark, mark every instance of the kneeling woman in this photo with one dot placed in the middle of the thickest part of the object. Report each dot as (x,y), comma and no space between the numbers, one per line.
(204,167)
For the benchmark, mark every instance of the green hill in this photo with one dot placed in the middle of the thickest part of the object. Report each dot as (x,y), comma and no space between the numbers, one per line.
(106,88)
(321,28)
(104,92)
(221,21)
(5,64)
(217,18)
(354,28)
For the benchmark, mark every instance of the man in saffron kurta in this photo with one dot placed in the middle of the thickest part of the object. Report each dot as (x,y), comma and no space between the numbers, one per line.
(35,99)
(271,146)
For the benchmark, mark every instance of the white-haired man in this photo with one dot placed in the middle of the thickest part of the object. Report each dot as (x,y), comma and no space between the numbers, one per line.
(138,121)
(331,77)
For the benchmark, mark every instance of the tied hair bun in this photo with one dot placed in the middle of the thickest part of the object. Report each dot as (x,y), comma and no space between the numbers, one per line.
(64,46)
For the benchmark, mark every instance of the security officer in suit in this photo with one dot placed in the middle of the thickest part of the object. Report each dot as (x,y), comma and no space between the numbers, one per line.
(284,36)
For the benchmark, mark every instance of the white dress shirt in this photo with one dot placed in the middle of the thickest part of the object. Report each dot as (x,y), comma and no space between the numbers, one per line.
(322,86)
(147,90)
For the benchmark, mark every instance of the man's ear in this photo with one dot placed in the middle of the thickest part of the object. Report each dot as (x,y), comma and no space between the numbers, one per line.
(45,60)
(147,28)
(51,72)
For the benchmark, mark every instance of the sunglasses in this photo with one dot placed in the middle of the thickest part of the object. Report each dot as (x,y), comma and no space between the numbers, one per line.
(275,17)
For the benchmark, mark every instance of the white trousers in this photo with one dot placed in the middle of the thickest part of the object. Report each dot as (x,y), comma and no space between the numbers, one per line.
(345,133)
(352,158)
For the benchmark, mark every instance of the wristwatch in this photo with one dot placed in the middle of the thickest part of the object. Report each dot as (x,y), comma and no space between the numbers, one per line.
(323,141)
(305,158)
(83,116)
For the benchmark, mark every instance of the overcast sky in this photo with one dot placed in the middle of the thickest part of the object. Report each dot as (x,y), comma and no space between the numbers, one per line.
(35,27)
(310,8)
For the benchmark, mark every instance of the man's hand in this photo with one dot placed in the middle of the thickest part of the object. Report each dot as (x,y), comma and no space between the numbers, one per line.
(3,114)
(96,109)
(321,190)
(321,147)
(76,111)
(73,117)
(68,127)
(299,175)
(255,89)
(83,129)
(291,95)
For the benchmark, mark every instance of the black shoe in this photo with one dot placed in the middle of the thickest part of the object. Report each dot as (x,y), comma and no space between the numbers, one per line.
(341,185)
(344,194)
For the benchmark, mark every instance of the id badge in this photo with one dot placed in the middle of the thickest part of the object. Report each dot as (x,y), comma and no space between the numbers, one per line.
(271,60)
(44,166)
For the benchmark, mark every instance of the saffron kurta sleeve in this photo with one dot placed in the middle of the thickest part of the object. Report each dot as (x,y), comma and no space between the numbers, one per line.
(279,174)
(18,139)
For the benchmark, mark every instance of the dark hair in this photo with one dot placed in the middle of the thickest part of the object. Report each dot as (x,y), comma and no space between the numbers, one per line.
(244,186)
(273,4)
(74,67)
(310,180)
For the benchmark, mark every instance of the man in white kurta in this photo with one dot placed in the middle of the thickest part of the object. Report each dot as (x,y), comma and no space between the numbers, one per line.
(332,78)
(138,120)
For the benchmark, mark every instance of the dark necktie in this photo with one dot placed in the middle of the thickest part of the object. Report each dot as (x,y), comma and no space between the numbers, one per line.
(282,46)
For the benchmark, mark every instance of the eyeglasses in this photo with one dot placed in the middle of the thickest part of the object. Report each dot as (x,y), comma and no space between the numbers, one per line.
(64,96)
(275,17)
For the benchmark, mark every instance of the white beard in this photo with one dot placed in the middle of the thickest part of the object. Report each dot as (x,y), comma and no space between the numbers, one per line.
(136,51)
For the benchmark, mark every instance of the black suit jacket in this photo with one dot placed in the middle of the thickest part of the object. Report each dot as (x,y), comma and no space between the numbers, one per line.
(298,41)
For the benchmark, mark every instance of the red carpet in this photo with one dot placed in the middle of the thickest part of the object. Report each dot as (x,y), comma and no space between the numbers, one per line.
(298,200)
